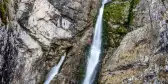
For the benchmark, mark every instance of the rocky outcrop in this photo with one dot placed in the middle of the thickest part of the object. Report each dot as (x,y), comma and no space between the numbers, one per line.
(141,56)
(37,33)
(34,34)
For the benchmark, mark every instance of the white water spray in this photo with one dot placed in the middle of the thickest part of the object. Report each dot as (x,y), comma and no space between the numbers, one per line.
(93,59)
(54,71)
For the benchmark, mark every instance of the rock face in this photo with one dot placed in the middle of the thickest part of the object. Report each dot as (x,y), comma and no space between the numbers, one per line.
(141,56)
(35,33)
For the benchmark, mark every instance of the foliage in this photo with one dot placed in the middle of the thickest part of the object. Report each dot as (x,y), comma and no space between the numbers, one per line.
(81,69)
(131,13)
(116,12)
(3,11)
(118,17)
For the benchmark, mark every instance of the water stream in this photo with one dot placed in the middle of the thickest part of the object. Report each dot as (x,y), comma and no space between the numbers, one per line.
(95,51)
(54,71)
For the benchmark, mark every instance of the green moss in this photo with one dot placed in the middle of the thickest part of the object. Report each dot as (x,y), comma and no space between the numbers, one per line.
(136,2)
(120,12)
(105,36)
(116,35)
(80,74)
(131,13)
(116,12)
(118,16)
(3,11)
(41,82)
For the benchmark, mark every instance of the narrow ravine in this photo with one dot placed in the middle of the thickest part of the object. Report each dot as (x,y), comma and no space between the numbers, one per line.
(95,51)
(54,71)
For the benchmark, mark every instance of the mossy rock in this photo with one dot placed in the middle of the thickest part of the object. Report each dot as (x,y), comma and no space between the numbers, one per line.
(117,12)
(116,35)
(131,13)
(118,17)
(3,11)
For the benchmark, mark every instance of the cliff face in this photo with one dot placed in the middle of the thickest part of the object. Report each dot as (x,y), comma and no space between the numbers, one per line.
(141,56)
(35,33)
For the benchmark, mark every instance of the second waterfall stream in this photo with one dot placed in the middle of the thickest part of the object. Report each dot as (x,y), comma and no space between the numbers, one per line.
(95,51)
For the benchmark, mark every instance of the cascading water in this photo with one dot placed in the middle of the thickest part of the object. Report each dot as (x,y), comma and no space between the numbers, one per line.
(93,59)
(54,71)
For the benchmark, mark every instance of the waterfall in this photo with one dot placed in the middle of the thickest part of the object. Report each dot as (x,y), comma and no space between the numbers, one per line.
(54,71)
(95,52)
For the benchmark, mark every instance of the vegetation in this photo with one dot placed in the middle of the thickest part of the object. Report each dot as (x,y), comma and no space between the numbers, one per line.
(115,15)
(131,13)
(118,17)
(81,69)
(116,12)
(3,11)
